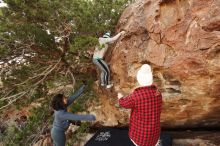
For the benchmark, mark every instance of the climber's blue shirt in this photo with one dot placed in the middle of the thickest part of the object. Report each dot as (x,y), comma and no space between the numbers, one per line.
(62,117)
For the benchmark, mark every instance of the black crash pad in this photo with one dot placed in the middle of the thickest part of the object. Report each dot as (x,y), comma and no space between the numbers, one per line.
(119,137)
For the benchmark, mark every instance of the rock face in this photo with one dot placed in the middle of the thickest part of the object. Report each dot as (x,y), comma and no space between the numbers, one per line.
(180,39)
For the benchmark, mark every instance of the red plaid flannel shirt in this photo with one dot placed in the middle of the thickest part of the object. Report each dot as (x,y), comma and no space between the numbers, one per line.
(145,104)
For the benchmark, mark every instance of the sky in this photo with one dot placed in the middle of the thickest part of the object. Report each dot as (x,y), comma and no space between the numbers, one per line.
(2,4)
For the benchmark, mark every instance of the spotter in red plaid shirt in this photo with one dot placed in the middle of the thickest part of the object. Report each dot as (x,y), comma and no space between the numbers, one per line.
(145,104)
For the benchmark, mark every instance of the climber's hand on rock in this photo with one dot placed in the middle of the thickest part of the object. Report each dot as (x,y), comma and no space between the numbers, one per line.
(85,85)
(120,95)
(122,32)
(84,82)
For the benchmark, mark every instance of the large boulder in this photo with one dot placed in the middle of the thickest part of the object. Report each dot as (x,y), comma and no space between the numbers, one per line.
(181,41)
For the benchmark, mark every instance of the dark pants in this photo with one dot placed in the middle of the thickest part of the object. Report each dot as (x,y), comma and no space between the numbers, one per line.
(105,72)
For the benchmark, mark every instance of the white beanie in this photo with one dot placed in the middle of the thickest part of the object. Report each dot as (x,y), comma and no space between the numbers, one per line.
(144,75)
(106,35)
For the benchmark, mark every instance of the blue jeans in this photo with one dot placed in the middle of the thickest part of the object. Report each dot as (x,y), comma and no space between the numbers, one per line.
(58,137)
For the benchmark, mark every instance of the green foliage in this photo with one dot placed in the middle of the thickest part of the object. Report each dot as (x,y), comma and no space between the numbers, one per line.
(21,73)
(3,52)
(2,103)
(81,43)
(82,102)
(94,18)
(97,15)
(40,36)
(32,27)
(39,121)
(58,80)
(81,19)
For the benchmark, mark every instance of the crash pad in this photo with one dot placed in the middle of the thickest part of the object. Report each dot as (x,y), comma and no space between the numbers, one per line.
(119,137)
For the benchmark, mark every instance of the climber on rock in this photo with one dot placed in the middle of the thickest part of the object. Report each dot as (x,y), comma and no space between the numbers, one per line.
(98,57)
(145,104)
(61,116)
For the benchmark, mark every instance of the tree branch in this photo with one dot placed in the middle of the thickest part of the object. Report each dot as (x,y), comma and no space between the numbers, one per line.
(71,75)
(15,97)
(12,101)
